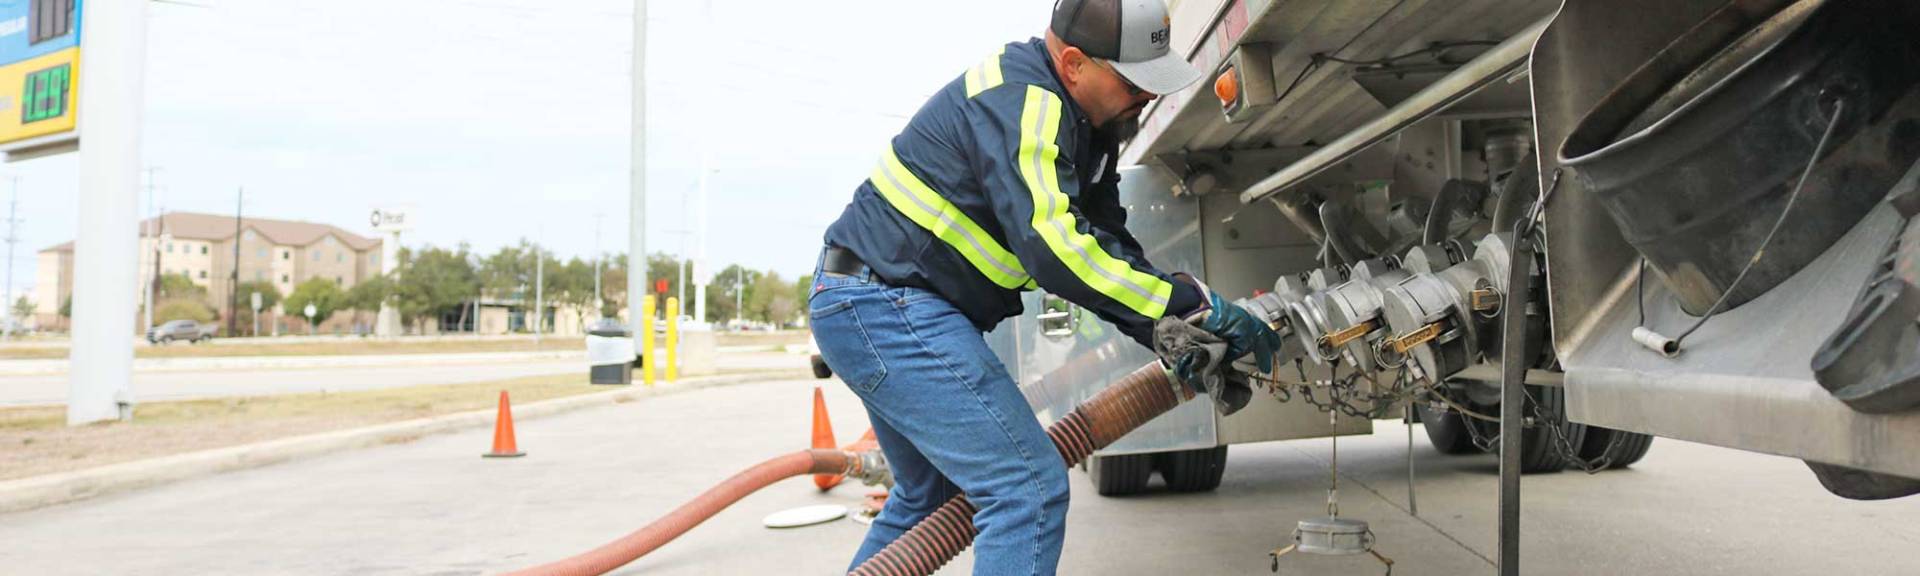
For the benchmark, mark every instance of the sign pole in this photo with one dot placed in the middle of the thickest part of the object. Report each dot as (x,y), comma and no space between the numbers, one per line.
(105,251)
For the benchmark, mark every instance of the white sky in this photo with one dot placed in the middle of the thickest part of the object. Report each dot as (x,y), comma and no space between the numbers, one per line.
(503,119)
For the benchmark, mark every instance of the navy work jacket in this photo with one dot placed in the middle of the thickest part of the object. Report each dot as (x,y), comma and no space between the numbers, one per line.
(1000,184)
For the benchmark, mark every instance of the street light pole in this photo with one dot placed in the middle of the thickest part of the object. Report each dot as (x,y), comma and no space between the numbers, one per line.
(598,256)
(637,197)
(13,237)
(539,293)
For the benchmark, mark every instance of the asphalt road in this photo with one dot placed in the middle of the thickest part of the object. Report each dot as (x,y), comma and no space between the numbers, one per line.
(434,507)
(151,386)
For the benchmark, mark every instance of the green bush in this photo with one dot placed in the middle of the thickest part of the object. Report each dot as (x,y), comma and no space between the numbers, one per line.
(183,309)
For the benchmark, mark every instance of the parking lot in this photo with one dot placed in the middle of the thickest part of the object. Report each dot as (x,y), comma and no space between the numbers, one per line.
(434,507)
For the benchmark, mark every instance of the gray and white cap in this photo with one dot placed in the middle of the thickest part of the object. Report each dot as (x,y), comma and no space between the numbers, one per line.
(1133,34)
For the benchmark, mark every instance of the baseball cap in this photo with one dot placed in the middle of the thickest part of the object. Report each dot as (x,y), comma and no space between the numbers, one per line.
(1135,35)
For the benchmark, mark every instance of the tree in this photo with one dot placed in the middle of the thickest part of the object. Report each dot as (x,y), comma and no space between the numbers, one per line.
(432,281)
(325,295)
(368,295)
(663,266)
(269,296)
(66,308)
(573,286)
(613,286)
(722,292)
(22,308)
(803,288)
(508,273)
(771,299)
(178,285)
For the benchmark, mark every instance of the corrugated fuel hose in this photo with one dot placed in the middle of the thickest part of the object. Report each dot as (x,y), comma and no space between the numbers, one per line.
(1135,399)
(1122,407)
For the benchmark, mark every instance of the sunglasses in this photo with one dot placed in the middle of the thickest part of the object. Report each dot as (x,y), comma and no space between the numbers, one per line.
(1132,90)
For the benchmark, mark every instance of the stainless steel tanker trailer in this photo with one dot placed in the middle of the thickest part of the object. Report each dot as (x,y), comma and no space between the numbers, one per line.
(1689,219)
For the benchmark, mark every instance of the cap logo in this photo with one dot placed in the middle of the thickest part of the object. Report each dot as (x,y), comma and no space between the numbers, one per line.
(1159,37)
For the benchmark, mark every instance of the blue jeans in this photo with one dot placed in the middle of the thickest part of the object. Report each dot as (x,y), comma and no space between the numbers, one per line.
(949,419)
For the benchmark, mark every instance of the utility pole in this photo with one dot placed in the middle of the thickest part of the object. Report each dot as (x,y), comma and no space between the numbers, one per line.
(13,237)
(149,234)
(233,284)
(637,197)
(598,256)
(739,292)
(539,293)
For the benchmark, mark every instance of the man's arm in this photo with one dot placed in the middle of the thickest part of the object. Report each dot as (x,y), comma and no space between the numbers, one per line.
(1032,184)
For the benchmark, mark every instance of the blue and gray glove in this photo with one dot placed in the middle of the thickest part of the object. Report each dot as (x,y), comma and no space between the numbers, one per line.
(1243,332)
(1201,347)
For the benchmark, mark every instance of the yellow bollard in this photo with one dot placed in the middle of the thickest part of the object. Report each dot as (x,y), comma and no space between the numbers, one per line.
(644,324)
(673,339)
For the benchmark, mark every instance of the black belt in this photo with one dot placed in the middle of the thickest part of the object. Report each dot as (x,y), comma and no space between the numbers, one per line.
(842,261)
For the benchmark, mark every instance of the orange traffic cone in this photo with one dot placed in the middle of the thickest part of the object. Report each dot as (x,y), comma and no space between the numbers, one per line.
(503,445)
(823,439)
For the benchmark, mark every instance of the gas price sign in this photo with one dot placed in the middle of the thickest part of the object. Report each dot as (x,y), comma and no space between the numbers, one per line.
(39,72)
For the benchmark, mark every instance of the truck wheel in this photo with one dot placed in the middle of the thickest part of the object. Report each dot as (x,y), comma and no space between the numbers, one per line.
(1539,451)
(165,340)
(1120,475)
(1192,470)
(820,369)
(1630,449)
(1447,430)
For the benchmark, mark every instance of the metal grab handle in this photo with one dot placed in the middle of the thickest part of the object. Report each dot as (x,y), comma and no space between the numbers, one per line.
(1062,321)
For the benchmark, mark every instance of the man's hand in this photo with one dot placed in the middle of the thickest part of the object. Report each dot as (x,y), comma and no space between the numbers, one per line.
(1243,332)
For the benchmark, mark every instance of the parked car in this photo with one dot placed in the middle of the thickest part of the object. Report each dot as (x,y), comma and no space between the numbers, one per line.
(187,330)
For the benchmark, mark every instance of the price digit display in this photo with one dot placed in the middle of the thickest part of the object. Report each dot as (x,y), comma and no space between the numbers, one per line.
(45,94)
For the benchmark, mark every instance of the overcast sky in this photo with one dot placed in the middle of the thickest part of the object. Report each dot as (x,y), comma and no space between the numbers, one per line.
(506,119)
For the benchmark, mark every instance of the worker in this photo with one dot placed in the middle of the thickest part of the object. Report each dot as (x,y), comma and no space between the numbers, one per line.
(1003,182)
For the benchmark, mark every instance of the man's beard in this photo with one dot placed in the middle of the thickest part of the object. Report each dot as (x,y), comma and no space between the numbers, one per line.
(1120,129)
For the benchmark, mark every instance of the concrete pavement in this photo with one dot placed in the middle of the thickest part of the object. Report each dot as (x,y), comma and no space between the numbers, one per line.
(435,507)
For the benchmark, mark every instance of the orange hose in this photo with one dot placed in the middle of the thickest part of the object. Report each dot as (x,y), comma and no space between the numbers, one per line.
(645,540)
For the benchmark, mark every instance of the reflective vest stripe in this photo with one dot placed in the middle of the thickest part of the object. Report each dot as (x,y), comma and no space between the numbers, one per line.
(927,208)
(1144,293)
(985,75)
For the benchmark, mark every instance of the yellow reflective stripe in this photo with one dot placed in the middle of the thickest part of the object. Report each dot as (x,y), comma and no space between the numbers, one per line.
(933,212)
(1040,121)
(985,75)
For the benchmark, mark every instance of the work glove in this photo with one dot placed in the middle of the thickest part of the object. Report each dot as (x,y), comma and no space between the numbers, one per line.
(1243,332)
(1198,360)
(1200,348)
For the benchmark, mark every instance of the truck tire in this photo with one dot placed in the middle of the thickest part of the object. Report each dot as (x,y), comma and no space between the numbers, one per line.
(820,369)
(1192,470)
(1631,448)
(1538,450)
(1447,430)
(1121,475)
(165,340)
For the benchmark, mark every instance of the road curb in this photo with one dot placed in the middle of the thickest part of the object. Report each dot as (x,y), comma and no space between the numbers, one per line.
(44,367)
(52,489)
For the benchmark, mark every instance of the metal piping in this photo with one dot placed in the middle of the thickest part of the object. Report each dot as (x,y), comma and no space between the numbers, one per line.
(1490,67)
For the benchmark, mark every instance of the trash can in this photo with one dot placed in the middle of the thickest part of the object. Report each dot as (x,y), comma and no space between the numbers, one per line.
(609,352)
